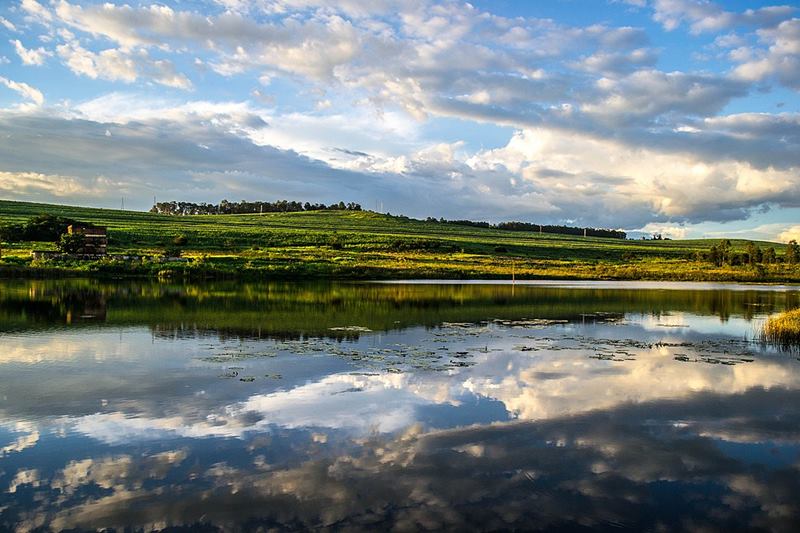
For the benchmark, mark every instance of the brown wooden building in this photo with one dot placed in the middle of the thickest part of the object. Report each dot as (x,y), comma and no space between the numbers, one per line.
(95,239)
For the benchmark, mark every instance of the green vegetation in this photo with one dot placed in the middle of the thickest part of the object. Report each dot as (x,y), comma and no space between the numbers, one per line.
(784,329)
(44,227)
(71,243)
(352,244)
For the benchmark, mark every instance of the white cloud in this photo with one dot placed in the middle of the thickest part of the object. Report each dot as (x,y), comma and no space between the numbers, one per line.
(53,186)
(790,234)
(7,24)
(28,92)
(781,58)
(36,11)
(614,62)
(649,93)
(111,64)
(117,64)
(708,16)
(582,174)
(30,56)
(670,231)
(310,48)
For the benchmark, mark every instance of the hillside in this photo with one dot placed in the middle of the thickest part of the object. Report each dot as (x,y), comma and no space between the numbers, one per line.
(364,244)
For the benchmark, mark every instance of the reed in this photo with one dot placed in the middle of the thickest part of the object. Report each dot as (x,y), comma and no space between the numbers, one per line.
(784,329)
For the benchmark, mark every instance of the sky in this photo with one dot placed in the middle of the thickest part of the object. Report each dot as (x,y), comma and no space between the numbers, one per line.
(680,117)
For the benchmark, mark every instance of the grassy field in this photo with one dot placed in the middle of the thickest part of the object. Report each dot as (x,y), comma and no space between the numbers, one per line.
(365,245)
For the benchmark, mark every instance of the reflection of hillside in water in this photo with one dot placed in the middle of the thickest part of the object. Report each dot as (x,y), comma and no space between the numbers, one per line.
(695,463)
(293,311)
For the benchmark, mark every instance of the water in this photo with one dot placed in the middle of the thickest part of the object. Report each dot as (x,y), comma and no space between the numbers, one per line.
(555,406)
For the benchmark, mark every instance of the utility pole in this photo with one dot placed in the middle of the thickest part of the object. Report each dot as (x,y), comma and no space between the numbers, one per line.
(123,203)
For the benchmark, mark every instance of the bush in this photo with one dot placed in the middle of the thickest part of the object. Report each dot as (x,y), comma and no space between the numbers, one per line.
(71,243)
(336,242)
(45,228)
(180,240)
(11,232)
(172,251)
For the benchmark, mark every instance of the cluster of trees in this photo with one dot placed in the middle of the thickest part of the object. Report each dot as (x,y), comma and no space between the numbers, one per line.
(723,254)
(539,228)
(562,230)
(244,207)
(42,228)
(473,223)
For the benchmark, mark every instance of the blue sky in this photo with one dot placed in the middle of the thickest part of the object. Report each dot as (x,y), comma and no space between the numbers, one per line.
(675,116)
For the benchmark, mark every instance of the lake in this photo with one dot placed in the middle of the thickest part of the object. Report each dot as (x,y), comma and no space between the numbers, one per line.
(405,406)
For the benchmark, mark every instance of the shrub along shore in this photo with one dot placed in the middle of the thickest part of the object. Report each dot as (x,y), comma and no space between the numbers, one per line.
(353,244)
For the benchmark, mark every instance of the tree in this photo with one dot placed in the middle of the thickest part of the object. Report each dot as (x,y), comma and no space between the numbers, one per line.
(725,252)
(714,256)
(11,232)
(71,243)
(753,253)
(769,256)
(46,228)
(792,252)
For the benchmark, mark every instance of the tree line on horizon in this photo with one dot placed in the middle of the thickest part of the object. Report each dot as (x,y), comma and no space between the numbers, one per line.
(538,228)
(244,207)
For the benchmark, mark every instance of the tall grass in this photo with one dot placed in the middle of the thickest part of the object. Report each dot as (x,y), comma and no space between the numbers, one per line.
(783,330)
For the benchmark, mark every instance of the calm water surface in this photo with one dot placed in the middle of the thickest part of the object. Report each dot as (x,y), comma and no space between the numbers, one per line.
(554,406)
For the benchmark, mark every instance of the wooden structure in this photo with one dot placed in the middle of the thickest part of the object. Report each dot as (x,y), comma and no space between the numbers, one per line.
(95,239)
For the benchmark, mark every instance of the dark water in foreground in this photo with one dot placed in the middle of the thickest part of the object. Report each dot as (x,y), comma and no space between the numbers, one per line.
(395,406)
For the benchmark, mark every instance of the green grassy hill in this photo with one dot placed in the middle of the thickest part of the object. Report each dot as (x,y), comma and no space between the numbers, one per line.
(364,244)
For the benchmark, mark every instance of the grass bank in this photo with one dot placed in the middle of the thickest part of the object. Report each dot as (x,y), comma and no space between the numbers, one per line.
(364,245)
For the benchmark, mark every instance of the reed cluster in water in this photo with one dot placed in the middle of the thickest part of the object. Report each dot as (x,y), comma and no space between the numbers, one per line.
(784,329)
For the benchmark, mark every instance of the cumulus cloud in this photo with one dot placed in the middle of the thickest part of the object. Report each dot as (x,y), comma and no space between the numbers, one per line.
(790,234)
(36,11)
(30,56)
(116,64)
(706,15)
(779,59)
(650,93)
(312,47)
(605,62)
(25,90)
(576,170)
